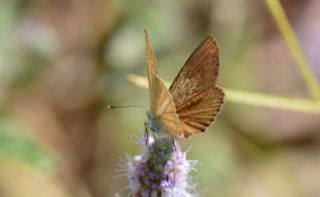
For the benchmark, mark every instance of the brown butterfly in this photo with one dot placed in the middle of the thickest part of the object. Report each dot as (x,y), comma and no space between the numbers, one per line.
(193,100)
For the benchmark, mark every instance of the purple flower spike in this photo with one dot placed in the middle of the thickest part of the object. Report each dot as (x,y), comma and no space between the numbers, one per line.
(160,170)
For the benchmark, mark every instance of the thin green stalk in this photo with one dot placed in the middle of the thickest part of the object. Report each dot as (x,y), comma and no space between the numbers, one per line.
(292,41)
(255,99)
(272,101)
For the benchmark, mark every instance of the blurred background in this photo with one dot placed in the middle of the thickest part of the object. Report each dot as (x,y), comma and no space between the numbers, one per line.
(63,61)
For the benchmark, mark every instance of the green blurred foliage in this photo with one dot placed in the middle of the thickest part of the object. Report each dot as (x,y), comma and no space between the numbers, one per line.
(15,145)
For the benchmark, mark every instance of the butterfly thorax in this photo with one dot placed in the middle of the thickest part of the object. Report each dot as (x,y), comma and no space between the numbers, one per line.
(152,122)
(155,123)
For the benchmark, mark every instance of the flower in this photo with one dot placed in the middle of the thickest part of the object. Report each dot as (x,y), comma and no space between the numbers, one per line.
(160,170)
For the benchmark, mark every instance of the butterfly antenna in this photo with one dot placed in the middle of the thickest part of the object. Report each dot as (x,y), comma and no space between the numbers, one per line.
(125,106)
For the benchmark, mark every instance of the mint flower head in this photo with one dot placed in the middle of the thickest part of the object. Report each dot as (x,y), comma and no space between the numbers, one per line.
(160,170)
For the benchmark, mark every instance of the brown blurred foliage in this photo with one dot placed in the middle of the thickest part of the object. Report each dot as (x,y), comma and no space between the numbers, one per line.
(65,60)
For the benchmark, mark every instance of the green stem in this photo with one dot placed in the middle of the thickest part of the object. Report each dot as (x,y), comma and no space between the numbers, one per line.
(291,39)
(255,99)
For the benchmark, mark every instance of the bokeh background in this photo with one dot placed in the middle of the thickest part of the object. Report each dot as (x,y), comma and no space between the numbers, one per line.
(63,61)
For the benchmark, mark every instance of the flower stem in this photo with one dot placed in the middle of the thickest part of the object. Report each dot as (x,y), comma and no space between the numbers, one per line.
(291,39)
(255,98)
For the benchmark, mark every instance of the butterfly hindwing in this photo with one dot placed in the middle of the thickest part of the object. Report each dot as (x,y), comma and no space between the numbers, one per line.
(199,112)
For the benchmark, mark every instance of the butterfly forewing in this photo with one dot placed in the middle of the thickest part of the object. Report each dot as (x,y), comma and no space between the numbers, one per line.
(194,92)
(162,112)
(151,60)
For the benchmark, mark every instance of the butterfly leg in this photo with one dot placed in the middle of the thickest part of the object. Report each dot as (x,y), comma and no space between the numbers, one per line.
(174,144)
(154,136)
(146,134)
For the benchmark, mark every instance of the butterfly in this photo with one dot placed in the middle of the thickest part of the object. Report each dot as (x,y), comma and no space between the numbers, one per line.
(193,100)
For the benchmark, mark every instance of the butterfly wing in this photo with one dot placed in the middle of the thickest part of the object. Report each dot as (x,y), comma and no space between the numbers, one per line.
(162,114)
(196,97)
